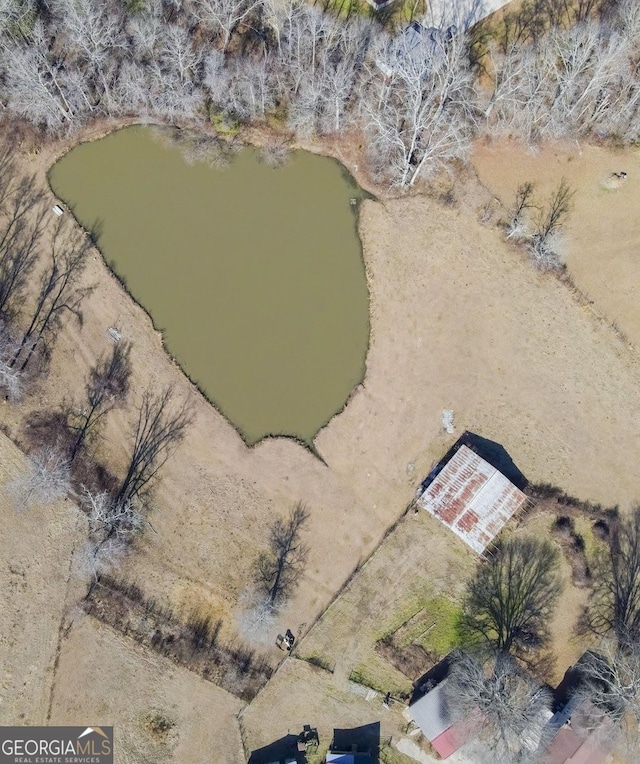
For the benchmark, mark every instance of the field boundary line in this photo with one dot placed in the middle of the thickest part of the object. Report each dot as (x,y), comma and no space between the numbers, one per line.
(360,565)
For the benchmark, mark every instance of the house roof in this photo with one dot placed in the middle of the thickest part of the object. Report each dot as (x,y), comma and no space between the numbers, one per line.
(472,498)
(432,712)
(569,748)
(563,746)
(348,758)
(450,740)
(590,752)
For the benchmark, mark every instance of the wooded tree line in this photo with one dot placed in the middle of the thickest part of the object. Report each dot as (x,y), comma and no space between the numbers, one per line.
(42,284)
(417,100)
(40,273)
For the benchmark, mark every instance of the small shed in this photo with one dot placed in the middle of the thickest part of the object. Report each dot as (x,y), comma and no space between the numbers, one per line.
(472,498)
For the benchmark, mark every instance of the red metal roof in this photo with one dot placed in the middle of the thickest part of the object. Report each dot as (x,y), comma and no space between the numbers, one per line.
(450,740)
(472,498)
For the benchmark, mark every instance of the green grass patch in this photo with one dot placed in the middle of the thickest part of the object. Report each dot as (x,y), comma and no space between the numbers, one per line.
(592,545)
(441,635)
(425,620)
(410,608)
(318,756)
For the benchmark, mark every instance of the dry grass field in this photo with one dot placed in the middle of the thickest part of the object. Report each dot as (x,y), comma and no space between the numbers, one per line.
(35,587)
(459,320)
(161,713)
(603,230)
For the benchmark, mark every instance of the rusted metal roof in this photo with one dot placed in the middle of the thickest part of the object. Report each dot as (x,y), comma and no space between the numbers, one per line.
(472,498)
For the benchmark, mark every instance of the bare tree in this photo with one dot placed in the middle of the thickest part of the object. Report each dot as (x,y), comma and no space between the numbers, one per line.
(112,519)
(256,618)
(607,696)
(517,226)
(36,85)
(506,709)
(544,239)
(615,589)
(132,91)
(243,89)
(168,95)
(108,384)
(59,291)
(21,228)
(64,61)
(565,80)
(158,432)
(224,16)
(178,54)
(10,378)
(341,66)
(509,602)
(278,569)
(46,480)
(146,30)
(275,153)
(93,32)
(420,116)
(112,526)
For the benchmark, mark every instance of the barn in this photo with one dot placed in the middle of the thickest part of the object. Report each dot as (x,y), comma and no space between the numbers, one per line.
(471,497)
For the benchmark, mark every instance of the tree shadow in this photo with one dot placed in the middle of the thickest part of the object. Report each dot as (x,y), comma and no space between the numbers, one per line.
(95,231)
(432,677)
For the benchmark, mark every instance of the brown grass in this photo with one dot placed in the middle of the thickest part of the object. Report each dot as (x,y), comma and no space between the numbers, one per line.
(161,713)
(603,232)
(191,641)
(35,549)
(459,320)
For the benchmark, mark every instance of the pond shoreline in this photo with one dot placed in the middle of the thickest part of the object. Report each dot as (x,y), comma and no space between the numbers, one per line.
(95,135)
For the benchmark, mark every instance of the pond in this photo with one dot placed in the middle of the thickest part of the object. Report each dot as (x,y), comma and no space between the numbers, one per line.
(254,274)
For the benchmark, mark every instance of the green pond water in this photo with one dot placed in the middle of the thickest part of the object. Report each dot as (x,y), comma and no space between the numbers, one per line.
(253,274)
